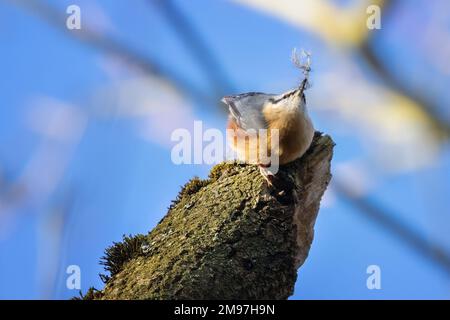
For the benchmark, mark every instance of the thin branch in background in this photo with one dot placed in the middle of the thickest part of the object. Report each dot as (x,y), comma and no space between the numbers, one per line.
(198,48)
(386,219)
(379,67)
(375,212)
(113,47)
(52,242)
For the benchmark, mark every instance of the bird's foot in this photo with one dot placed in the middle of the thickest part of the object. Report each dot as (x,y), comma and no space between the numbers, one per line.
(273,180)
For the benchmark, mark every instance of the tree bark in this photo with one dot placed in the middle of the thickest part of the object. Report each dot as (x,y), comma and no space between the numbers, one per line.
(228,237)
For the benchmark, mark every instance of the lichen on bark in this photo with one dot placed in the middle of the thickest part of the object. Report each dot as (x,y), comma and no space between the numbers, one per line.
(227,237)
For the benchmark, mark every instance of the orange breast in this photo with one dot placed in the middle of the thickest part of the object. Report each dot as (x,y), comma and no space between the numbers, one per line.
(295,132)
(250,146)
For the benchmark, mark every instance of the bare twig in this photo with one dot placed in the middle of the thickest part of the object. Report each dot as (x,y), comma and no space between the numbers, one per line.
(114,47)
(368,52)
(193,41)
(386,219)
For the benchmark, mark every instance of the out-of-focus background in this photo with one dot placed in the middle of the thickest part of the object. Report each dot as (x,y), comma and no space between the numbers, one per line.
(86,117)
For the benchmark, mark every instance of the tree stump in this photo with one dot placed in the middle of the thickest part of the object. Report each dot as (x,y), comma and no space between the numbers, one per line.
(228,237)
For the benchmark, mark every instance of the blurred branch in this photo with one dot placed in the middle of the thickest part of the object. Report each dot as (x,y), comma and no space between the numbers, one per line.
(114,47)
(11,193)
(337,24)
(381,70)
(376,63)
(196,45)
(386,219)
(51,242)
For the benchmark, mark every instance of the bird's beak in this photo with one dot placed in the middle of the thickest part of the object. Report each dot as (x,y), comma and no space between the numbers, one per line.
(303,86)
(226,100)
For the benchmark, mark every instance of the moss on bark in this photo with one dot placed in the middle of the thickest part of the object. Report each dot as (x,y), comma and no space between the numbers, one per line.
(227,237)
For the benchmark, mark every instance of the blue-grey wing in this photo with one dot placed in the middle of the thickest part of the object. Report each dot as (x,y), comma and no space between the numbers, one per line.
(247,109)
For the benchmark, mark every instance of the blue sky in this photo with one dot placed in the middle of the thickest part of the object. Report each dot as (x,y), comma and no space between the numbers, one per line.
(118,182)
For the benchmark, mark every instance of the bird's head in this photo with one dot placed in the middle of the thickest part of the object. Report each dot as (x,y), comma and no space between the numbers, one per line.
(291,99)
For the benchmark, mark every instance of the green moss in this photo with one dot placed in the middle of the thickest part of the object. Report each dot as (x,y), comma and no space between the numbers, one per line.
(121,252)
(192,187)
(91,294)
(131,247)
(220,169)
(196,184)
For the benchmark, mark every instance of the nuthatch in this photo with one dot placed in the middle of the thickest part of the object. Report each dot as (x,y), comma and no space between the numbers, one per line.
(285,112)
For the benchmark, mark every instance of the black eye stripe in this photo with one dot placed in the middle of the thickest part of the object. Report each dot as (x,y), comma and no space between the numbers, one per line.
(287,95)
(290,94)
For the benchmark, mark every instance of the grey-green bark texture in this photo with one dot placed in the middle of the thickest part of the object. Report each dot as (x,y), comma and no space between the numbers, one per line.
(228,237)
